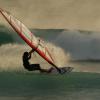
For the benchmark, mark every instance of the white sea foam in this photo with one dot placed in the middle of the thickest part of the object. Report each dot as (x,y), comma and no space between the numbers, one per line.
(11,57)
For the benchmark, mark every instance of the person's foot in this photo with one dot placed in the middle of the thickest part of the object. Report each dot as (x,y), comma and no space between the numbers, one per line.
(50,70)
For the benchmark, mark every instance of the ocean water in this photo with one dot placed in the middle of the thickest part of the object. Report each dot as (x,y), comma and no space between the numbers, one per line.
(17,84)
(86,66)
(37,86)
(81,84)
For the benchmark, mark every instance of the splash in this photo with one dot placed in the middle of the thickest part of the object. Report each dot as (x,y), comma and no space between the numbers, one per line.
(11,57)
(60,57)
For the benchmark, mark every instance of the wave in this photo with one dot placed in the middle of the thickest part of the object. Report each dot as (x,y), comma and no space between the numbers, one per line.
(11,57)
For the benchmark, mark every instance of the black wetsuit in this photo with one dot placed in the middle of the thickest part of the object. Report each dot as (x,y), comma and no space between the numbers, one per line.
(28,66)
(32,67)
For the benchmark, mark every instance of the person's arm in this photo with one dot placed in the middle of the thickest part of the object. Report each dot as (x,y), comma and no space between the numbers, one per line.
(31,53)
(29,57)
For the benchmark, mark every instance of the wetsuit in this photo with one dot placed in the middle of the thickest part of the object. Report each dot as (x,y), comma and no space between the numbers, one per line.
(27,65)
(32,67)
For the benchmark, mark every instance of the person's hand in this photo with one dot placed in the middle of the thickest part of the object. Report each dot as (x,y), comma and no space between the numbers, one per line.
(31,51)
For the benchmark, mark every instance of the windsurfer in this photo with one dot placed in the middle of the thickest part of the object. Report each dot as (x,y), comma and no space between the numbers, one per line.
(32,67)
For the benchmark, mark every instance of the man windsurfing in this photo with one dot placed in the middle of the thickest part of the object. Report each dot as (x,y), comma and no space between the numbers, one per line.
(32,41)
(32,67)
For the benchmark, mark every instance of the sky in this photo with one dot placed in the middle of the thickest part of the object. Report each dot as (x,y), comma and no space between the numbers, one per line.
(66,14)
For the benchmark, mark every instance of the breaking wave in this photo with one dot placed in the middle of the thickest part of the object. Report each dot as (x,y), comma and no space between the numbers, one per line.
(11,57)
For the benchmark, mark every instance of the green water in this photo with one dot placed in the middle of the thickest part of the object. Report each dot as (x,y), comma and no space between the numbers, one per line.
(10,36)
(73,86)
(32,86)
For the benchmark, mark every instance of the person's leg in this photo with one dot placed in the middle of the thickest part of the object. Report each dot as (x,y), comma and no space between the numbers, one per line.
(46,70)
(34,67)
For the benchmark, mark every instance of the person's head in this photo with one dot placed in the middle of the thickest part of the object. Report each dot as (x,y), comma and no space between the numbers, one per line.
(25,55)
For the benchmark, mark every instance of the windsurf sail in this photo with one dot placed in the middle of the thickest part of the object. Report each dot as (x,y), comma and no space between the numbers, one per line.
(29,37)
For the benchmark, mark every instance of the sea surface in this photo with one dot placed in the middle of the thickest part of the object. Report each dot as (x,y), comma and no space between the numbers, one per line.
(37,86)
(83,83)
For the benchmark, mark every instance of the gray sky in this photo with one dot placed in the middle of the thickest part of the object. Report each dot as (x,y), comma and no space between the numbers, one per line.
(67,14)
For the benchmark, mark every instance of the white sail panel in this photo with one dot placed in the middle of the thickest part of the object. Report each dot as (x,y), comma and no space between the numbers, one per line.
(22,29)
